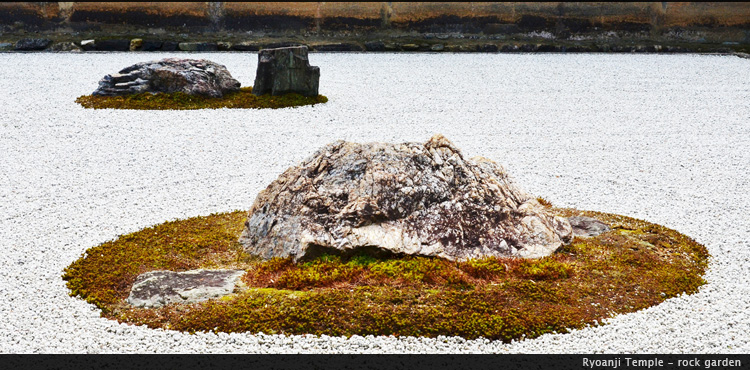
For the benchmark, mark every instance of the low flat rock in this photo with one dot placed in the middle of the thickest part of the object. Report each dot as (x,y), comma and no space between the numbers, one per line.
(191,76)
(159,288)
(401,199)
(30,44)
(65,46)
(587,227)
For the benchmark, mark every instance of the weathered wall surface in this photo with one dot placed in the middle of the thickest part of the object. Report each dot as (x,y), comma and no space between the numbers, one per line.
(356,22)
(420,16)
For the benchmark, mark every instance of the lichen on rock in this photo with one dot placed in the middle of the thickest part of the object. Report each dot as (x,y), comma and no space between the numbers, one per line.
(400,199)
(190,76)
(159,288)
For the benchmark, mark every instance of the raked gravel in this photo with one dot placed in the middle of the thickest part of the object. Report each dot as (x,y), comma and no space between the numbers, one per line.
(665,138)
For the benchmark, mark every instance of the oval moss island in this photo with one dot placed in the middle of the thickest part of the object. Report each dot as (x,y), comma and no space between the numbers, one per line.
(633,266)
(242,99)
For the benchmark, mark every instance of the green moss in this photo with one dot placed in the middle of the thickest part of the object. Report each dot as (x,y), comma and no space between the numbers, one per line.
(485,268)
(636,265)
(243,98)
(547,268)
(106,272)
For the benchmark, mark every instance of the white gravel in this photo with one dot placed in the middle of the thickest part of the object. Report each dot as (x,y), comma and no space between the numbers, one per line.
(657,137)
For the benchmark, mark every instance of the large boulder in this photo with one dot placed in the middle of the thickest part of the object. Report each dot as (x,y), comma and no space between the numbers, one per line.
(191,76)
(286,70)
(399,199)
(159,288)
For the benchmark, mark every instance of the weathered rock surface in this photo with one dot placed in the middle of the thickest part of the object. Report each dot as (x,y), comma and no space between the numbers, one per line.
(159,288)
(410,198)
(32,44)
(286,70)
(191,76)
(587,227)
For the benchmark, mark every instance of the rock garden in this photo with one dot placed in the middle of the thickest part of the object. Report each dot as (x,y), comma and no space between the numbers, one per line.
(403,239)
(284,79)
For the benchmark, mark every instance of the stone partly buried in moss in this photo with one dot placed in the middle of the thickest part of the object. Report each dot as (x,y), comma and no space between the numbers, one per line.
(190,76)
(159,288)
(399,199)
(587,227)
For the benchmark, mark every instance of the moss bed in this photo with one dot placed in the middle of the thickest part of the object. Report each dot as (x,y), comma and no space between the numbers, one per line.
(243,98)
(636,265)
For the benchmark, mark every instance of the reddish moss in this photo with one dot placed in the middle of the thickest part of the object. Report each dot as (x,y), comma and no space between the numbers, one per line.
(544,202)
(636,265)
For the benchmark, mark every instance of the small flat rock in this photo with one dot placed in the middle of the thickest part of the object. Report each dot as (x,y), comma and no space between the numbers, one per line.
(158,288)
(65,46)
(587,227)
(32,44)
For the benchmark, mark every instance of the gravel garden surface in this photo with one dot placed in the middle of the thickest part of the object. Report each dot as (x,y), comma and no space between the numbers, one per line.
(664,138)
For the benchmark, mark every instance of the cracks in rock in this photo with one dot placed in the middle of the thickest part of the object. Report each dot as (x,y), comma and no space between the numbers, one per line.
(419,194)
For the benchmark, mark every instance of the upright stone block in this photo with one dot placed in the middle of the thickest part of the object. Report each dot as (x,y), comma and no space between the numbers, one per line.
(286,70)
